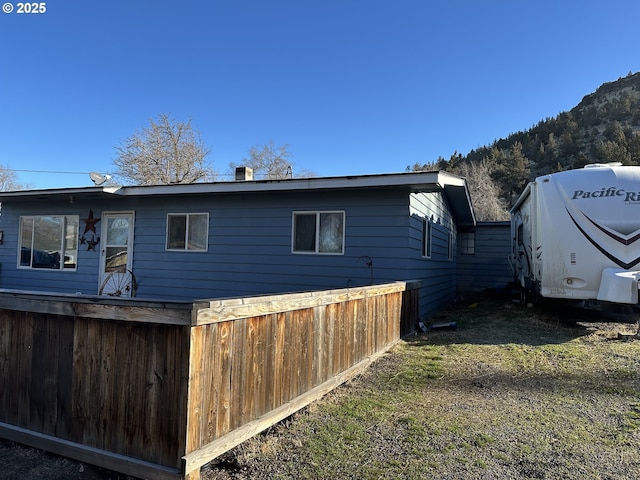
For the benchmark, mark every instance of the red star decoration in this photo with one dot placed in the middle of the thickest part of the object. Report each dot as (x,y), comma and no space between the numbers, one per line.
(91,244)
(90,223)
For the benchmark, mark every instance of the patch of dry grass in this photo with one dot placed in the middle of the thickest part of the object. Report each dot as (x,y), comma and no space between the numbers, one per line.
(512,393)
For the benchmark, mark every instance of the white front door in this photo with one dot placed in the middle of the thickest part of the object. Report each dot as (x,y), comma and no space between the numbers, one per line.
(116,252)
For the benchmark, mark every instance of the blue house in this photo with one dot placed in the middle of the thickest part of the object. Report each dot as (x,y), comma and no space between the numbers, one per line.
(241,238)
(483,261)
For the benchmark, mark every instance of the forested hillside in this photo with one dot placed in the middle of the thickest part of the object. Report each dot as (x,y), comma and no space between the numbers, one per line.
(604,127)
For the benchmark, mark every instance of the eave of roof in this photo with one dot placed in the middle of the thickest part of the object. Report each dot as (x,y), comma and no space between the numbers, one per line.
(454,188)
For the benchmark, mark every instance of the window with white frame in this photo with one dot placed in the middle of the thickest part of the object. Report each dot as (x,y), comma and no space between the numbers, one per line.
(318,232)
(467,243)
(48,242)
(187,232)
(426,237)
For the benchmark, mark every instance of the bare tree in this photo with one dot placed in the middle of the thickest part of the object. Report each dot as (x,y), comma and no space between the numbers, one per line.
(9,181)
(483,190)
(485,195)
(166,152)
(268,161)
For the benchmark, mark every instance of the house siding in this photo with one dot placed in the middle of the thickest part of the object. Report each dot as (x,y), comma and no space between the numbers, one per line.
(488,268)
(68,281)
(249,245)
(249,248)
(438,273)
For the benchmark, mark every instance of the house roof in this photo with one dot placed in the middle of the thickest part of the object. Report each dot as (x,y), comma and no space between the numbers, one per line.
(454,188)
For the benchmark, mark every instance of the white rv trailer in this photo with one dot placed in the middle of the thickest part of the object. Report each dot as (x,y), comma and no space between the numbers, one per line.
(576,235)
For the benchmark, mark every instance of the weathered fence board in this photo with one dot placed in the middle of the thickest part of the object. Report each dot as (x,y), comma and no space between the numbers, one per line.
(292,353)
(160,399)
(95,382)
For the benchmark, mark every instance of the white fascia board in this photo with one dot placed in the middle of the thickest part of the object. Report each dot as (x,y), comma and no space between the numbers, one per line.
(58,192)
(418,181)
(445,179)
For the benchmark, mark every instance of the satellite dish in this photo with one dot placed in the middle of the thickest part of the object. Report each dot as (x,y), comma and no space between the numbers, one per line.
(98,179)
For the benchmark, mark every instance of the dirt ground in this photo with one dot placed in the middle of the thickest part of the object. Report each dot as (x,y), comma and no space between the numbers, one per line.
(18,462)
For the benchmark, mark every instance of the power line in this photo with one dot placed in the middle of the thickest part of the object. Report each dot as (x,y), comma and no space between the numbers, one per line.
(221,175)
(48,171)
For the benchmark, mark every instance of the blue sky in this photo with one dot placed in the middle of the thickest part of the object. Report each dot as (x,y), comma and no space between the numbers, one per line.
(352,86)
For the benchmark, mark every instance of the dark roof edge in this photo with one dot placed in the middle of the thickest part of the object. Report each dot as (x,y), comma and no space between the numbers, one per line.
(454,188)
(413,179)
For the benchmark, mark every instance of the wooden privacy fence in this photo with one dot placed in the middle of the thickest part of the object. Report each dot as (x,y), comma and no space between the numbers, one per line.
(157,389)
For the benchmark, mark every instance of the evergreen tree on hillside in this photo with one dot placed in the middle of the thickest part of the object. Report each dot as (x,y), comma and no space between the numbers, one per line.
(603,127)
(511,171)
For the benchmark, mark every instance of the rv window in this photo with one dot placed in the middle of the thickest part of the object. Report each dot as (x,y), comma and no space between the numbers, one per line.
(48,242)
(318,232)
(188,232)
